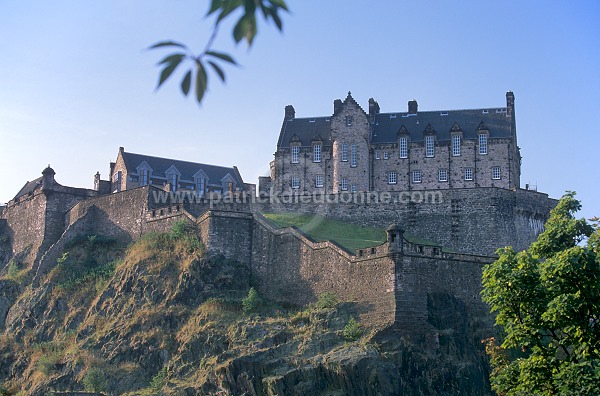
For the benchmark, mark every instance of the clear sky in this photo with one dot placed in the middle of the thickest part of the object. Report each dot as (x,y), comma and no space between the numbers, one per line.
(76,82)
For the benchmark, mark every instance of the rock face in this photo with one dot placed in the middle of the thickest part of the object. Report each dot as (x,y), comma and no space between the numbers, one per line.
(158,317)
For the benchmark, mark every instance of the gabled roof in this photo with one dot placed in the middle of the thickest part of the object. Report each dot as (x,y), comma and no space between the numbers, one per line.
(187,169)
(386,126)
(305,129)
(29,187)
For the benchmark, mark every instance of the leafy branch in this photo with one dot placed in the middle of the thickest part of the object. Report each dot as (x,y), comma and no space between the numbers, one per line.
(245,29)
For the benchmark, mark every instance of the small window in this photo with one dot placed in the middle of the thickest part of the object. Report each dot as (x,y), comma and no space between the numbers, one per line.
(144,173)
(353,156)
(319,180)
(201,186)
(317,153)
(468,173)
(295,154)
(173,179)
(455,145)
(295,182)
(443,175)
(416,176)
(483,144)
(404,147)
(392,178)
(377,155)
(344,152)
(429,146)
(386,155)
(344,184)
(349,120)
(354,188)
(496,173)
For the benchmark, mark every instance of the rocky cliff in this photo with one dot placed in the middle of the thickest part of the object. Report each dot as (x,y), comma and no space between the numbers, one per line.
(159,317)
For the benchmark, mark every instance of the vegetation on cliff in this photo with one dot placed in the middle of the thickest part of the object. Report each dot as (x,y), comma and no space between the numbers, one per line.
(547,301)
(158,317)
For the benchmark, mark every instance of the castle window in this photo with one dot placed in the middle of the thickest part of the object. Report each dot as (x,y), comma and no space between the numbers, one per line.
(349,120)
(353,156)
(117,181)
(201,186)
(429,146)
(173,179)
(295,182)
(319,180)
(344,152)
(295,152)
(144,173)
(468,173)
(455,145)
(317,153)
(354,188)
(404,147)
(386,155)
(344,184)
(496,173)
(416,176)
(483,144)
(392,178)
(443,175)
(377,154)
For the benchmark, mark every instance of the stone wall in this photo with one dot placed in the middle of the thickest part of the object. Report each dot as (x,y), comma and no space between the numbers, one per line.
(227,233)
(475,221)
(288,266)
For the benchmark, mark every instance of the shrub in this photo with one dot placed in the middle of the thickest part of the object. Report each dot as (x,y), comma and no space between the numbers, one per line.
(250,302)
(4,391)
(159,380)
(352,331)
(327,300)
(95,380)
(13,269)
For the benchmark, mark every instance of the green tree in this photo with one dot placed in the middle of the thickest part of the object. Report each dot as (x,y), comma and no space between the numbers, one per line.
(547,301)
(245,28)
(95,380)
(251,301)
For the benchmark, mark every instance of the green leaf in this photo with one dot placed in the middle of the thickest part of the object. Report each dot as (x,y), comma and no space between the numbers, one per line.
(222,56)
(201,81)
(167,71)
(276,18)
(227,7)
(185,84)
(167,44)
(245,29)
(279,4)
(218,70)
(172,58)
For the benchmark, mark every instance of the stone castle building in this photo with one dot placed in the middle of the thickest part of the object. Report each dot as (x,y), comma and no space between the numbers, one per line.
(355,151)
(471,156)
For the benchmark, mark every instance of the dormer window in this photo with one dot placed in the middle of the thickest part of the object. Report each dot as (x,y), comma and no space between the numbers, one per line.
(483,144)
(295,154)
(429,146)
(144,176)
(173,179)
(455,145)
(201,186)
(403,147)
(317,153)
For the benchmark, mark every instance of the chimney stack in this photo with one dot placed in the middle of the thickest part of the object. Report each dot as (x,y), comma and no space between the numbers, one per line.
(373,108)
(290,113)
(337,105)
(510,104)
(412,106)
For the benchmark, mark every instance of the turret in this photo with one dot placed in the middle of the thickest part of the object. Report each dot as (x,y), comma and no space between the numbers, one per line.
(48,178)
(395,238)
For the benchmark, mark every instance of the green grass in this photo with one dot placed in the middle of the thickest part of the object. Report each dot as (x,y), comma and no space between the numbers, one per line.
(350,236)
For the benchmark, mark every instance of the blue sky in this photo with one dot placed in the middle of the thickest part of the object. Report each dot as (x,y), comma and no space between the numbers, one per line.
(76,82)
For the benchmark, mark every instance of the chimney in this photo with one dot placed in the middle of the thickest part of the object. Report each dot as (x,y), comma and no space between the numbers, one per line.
(510,104)
(97,181)
(373,108)
(412,106)
(290,113)
(337,105)
(112,169)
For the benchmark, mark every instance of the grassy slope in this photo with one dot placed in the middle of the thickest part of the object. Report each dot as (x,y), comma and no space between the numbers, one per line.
(350,236)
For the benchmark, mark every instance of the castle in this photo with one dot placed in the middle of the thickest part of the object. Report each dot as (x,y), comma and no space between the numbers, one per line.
(474,212)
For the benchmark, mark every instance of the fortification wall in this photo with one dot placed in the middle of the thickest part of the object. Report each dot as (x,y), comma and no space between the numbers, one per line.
(474,221)
(227,233)
(448,282)
(288,266)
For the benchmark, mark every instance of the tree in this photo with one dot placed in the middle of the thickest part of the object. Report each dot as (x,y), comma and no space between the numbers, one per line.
(246,29)
(547,301)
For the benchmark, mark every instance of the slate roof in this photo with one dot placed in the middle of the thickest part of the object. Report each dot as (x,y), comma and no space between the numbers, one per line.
(385,126)
(305,129)
(187,169)
(29,187)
